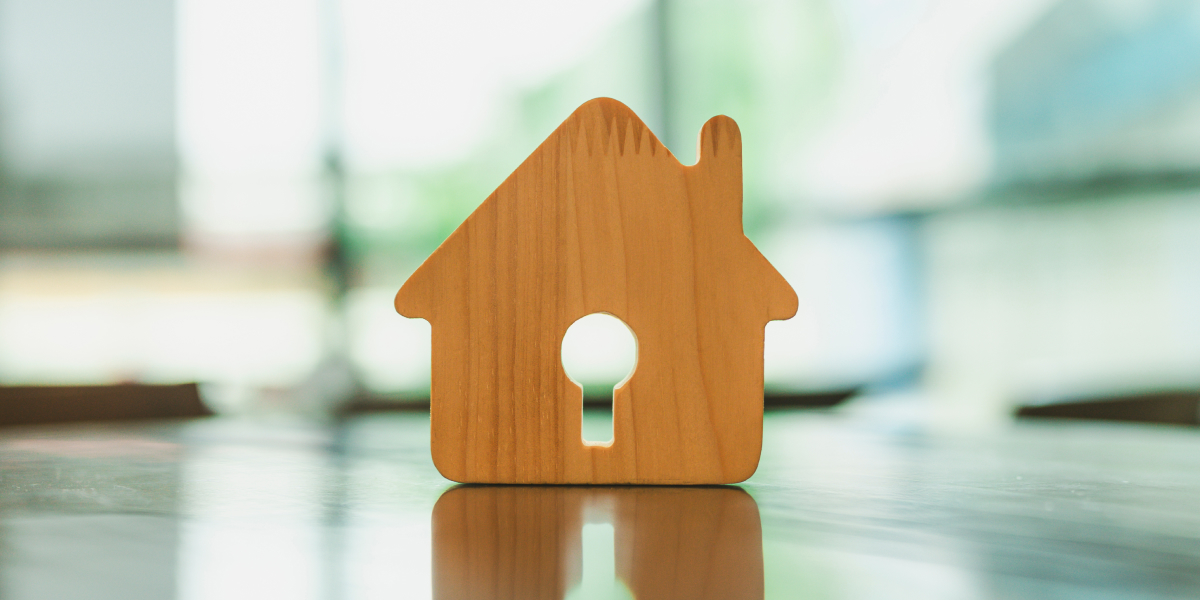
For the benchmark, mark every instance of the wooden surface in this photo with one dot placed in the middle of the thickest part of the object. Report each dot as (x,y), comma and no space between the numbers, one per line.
(842,508)
(602,218)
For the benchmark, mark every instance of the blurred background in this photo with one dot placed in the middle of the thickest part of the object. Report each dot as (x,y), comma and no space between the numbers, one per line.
(981,205)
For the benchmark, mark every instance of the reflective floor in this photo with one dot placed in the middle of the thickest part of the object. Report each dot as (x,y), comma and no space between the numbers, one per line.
(840,508)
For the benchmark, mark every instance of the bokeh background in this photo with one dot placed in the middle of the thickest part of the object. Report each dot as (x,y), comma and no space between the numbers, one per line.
(980,204)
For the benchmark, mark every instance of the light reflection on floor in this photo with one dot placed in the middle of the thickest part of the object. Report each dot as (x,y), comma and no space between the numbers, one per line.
(598,580)
(253,524)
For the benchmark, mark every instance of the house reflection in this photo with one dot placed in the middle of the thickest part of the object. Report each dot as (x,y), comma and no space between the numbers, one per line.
(523,542)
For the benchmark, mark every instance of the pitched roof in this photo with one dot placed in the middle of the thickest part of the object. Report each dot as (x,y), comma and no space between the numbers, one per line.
(604,154)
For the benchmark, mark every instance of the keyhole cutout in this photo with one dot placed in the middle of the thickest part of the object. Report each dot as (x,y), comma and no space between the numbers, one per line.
(599,353)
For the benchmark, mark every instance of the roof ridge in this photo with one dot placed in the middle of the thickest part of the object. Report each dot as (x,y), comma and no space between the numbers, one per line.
(605,125)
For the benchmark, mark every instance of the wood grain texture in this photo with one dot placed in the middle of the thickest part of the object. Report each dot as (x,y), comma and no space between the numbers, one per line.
(602,218)
(524,542)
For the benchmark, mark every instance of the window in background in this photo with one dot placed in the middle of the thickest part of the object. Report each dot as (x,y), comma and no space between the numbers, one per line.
(250,124)
(128,126)
(428,136)
(309,155)
(87,124)
(1074,276)
(1100,90)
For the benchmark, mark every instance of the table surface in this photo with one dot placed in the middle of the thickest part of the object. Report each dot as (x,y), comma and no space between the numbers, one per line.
(841,507)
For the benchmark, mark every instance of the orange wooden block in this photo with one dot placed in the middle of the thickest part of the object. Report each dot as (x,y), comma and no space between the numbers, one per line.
(602,218)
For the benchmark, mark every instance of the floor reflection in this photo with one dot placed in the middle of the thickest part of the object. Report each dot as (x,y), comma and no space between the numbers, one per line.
(531,543)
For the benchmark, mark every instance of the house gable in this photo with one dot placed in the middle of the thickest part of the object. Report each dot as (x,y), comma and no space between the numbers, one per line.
(606,127)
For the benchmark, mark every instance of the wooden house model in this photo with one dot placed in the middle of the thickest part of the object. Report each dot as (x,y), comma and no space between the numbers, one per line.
(602,218)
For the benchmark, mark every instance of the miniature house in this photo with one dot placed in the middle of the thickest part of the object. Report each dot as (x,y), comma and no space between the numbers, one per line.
(602,218)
